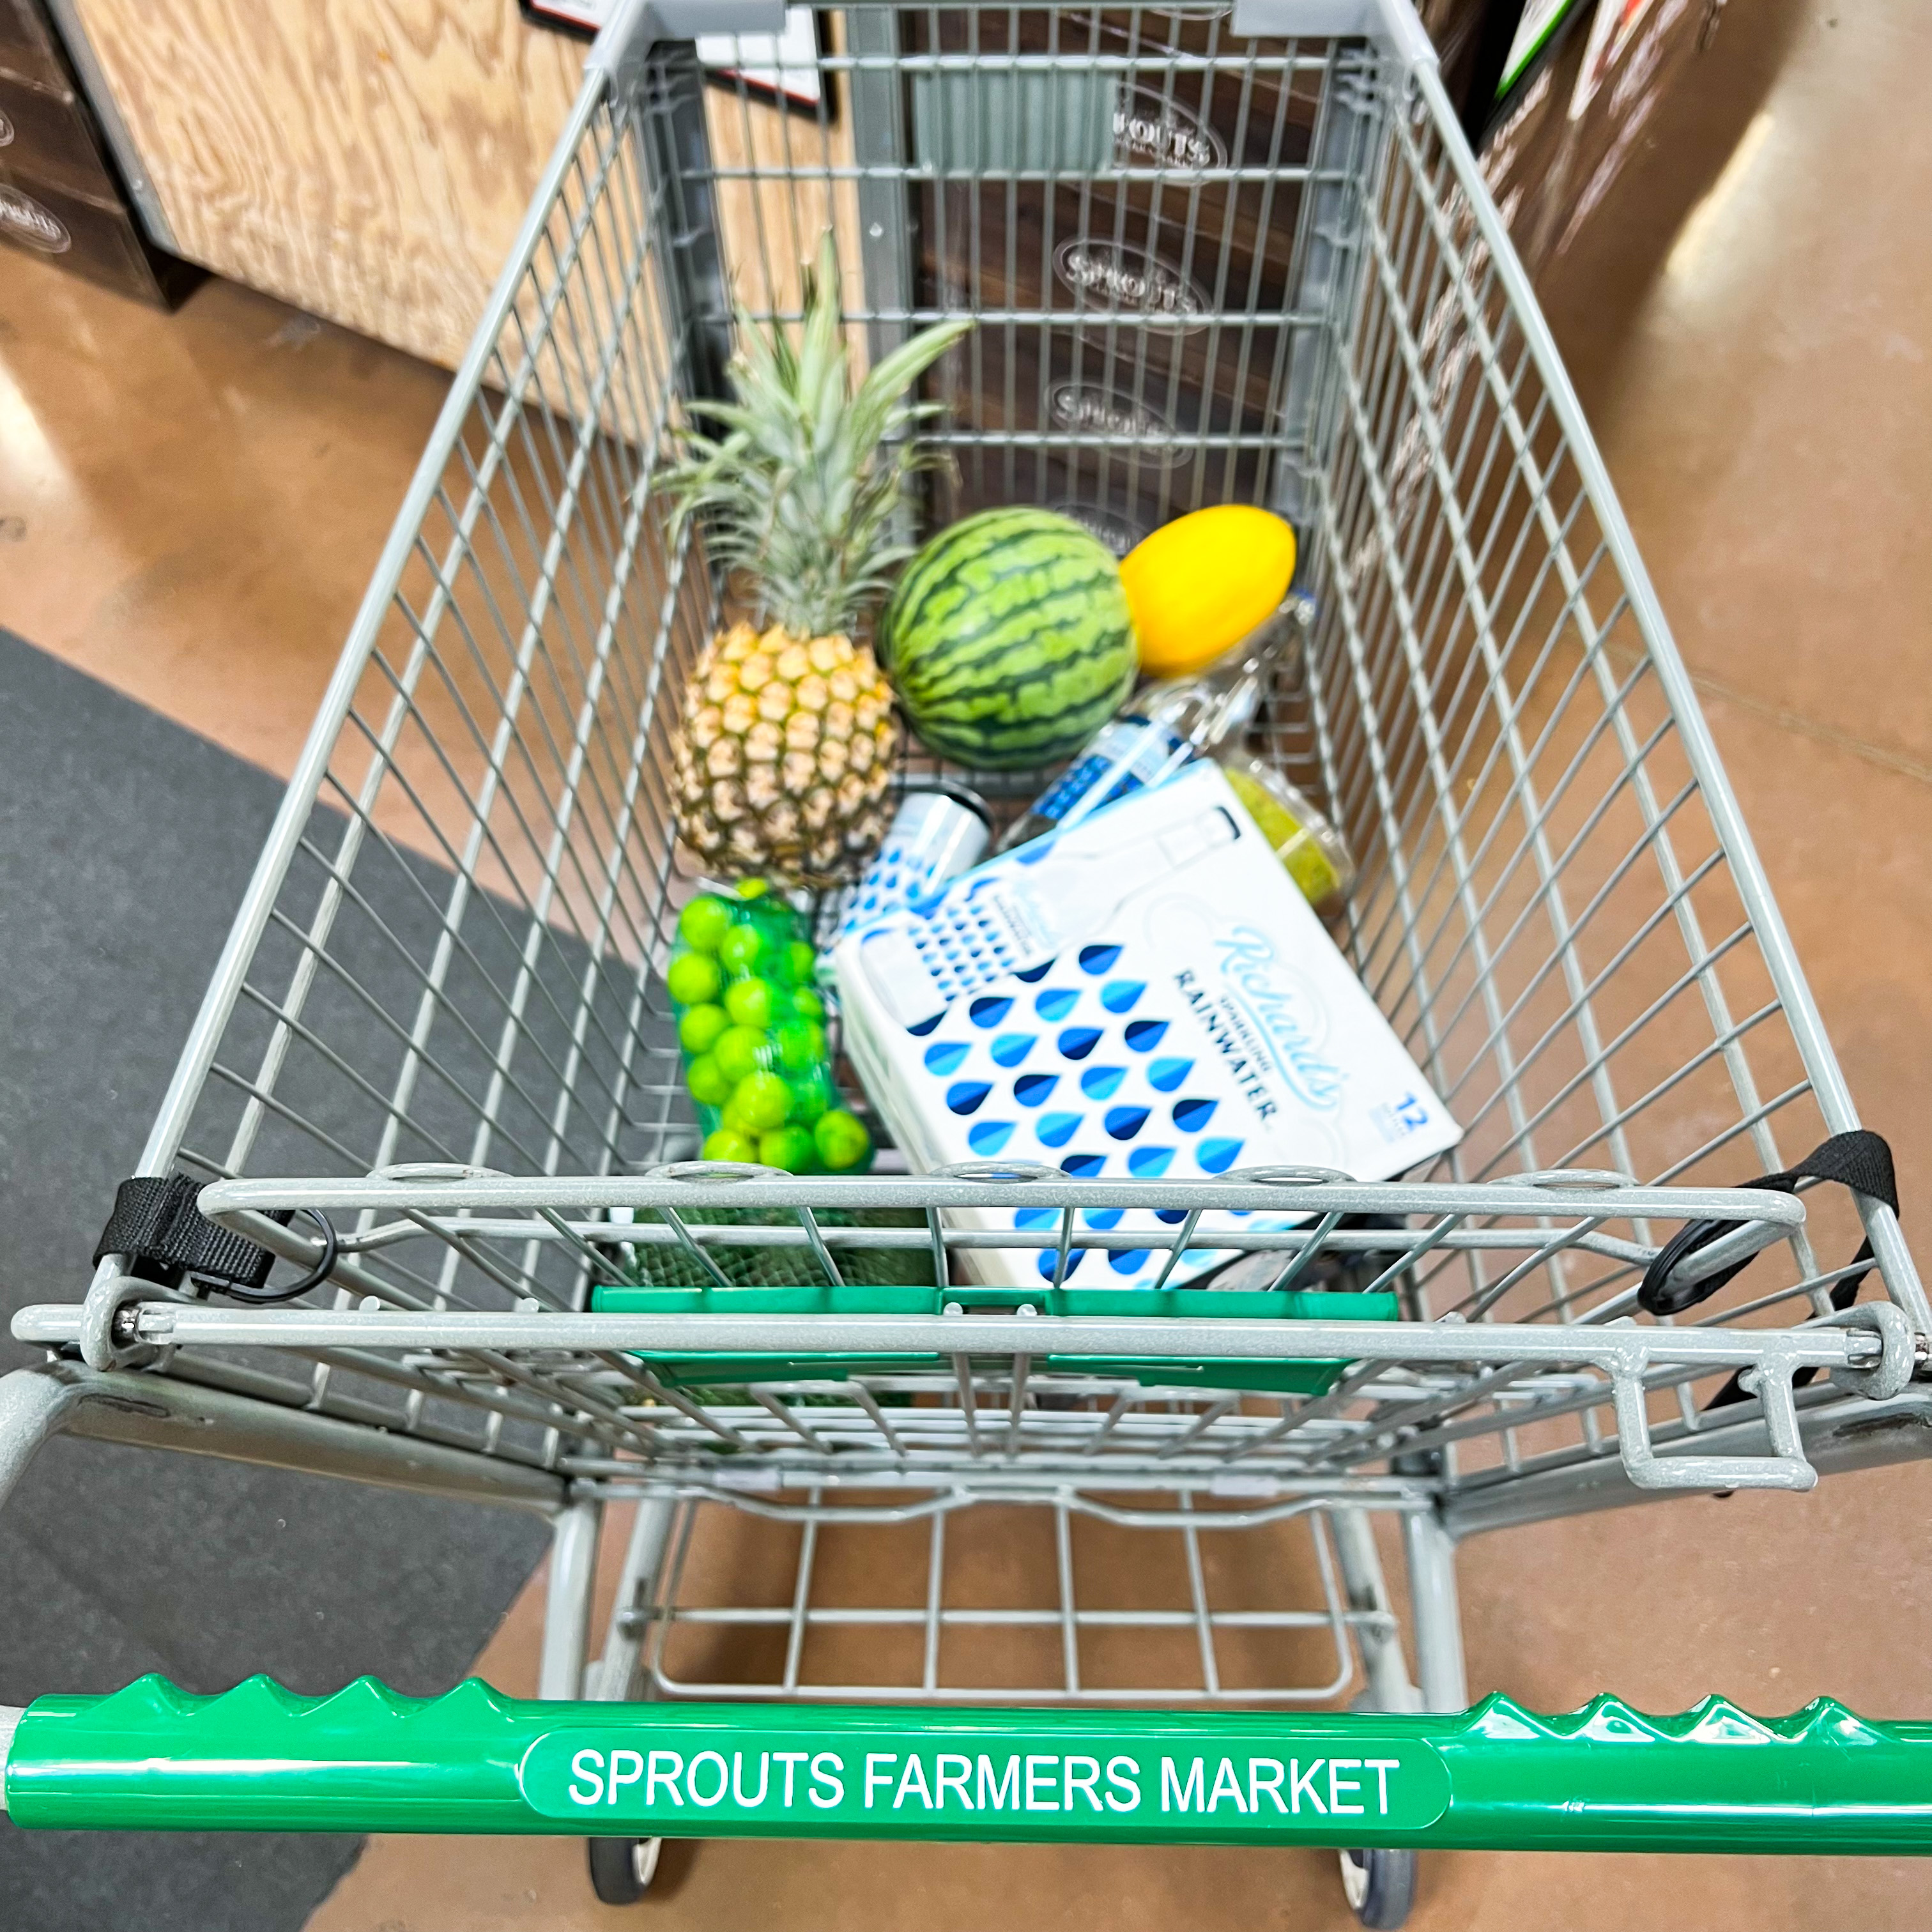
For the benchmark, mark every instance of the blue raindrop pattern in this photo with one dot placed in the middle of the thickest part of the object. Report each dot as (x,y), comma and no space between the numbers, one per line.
(1049,1262)
(1082,1074)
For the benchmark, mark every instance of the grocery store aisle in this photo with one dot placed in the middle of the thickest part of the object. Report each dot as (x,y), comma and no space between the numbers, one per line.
(200,501)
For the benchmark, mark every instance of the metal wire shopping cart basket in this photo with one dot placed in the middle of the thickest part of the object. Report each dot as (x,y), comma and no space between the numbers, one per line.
(432,1102)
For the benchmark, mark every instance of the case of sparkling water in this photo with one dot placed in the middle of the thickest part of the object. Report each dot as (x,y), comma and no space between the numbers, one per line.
(1147,996)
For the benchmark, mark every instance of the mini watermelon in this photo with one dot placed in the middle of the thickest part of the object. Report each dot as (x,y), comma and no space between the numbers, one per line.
(1009,640)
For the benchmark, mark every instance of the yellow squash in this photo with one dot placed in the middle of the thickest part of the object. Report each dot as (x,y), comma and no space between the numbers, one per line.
(1200,583)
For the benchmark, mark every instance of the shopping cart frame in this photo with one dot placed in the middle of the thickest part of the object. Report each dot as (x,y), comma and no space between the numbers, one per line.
(117,1366)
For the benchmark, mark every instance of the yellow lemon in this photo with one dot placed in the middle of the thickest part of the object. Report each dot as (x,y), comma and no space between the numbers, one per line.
(1200,583)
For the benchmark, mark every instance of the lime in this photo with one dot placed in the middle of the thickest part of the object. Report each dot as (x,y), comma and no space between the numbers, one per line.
(706,1079)
(842,1140)
(694,979)
(801,1045)
(753,889)
(761,1100)
(724,1144)
(737,1052)
(751,1003)
(704,923)
(807,1004)
(738,949)
(698,1032)
(789,1147)
(803,963)
(811,1094)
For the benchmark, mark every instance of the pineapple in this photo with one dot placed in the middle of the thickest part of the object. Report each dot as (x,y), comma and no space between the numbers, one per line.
(784,750)
(784,754)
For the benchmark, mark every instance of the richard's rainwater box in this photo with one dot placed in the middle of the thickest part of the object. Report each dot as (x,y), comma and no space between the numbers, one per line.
(1146,996)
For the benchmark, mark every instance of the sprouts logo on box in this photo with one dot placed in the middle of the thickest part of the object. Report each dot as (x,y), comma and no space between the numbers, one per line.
(1150,129)
(1116,532)
(39,227)
(1131,278)
(1091,409)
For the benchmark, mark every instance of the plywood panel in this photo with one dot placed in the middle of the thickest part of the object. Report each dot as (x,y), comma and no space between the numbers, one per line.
(368,159)
(772,224)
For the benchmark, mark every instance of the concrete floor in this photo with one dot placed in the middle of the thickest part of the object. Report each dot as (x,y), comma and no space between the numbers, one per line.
(189,508)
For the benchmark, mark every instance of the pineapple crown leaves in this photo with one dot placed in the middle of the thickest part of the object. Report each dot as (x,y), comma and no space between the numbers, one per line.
(805,482)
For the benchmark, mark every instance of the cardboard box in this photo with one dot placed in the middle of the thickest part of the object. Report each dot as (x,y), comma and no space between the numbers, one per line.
(1525,153)
(61,195)
(1149,308)
(49,136)
(92,237)
(1145,997)
(1639,53)
(29,51)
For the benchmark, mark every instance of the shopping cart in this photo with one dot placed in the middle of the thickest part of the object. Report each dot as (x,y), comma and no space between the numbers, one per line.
(435,1098)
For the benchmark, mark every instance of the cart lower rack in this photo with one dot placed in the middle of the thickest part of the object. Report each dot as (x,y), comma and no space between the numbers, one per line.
(419,1207)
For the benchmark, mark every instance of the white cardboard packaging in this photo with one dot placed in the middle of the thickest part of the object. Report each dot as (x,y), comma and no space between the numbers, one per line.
(1146,996)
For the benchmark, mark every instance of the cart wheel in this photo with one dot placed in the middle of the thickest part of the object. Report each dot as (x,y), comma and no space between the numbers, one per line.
(621,1869)
(1381,1886)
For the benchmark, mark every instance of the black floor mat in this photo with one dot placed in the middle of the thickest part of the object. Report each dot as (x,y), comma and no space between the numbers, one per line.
(125,842)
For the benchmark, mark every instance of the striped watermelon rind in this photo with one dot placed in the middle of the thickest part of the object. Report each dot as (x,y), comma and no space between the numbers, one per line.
(1010,639)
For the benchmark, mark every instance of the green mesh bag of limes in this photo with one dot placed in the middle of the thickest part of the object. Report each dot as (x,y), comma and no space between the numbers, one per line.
(668,1279)
(671,1265)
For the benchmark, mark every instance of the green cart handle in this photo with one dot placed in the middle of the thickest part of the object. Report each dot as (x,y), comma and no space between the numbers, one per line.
(1604,1778)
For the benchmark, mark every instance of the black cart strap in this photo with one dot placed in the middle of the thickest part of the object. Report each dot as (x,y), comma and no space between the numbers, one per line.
(156,1225)
(1859,1160)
